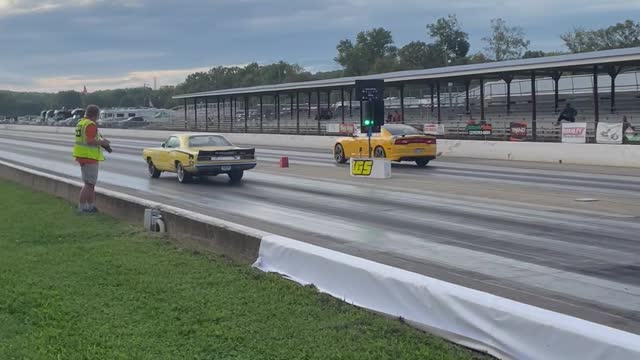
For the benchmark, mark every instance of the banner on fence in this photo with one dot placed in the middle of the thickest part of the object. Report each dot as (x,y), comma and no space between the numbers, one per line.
(632,138)
(343,129)
(434,129)
(479,129)
(346,129)
(609,133)
(518,131)
(574,133)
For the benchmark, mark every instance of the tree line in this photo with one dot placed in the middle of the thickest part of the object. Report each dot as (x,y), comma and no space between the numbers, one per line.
(372,51)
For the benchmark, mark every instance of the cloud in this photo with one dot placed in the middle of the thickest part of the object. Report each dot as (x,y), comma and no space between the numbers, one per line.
(91,57)
(22,7)
(114,43)
(77,82)
(131,79)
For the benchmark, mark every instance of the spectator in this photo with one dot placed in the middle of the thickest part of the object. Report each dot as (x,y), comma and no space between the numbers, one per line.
(569,114)
(627,125)
(397,118)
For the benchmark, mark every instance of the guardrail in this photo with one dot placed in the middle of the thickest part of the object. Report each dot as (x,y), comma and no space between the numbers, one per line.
(546,131)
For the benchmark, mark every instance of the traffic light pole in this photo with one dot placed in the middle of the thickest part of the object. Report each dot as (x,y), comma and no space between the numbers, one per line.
(370,94)
(369,131)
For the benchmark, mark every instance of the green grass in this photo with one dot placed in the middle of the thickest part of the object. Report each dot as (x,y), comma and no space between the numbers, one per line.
(88,287)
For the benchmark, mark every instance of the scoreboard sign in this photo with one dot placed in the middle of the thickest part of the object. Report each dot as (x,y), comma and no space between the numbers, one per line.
(371,168)
(370,90)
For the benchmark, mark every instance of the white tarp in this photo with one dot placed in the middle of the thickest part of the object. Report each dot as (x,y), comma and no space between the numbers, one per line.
(433,129)
(574,133)
(502,327)
(333,128)
(609,133)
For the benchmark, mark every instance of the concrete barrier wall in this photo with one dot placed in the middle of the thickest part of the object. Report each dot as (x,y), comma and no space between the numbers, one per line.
(583,154)
(237,242)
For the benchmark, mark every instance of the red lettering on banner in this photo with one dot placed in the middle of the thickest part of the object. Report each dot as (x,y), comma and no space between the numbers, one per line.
(573,131)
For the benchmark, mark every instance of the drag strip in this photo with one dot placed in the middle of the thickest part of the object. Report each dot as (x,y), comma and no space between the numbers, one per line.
(581,261)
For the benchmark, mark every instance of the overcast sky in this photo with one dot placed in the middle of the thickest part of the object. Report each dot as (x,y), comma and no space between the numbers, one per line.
(56,45)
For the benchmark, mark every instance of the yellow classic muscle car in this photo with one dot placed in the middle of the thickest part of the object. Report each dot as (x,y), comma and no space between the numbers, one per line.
(191,155)
(396,142)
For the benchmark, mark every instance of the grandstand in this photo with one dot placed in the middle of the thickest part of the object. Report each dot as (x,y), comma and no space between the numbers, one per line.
(293,107)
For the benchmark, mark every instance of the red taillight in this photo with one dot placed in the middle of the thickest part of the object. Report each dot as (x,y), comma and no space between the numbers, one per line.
(405,141)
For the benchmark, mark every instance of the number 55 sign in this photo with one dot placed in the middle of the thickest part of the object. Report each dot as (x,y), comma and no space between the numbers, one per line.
(371,168)
(361,167)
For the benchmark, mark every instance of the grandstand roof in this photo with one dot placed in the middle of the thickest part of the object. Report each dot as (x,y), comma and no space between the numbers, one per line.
(629,56)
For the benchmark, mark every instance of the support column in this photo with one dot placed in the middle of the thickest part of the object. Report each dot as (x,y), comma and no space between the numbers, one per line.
(508,78)
(438,98)
(481,99)
(224,111)
(309,105)
(596,102)
(218,101)
(342,100)
(206,114)
(297,112)
(278,112)
(467,85)
(232,108)
(402,103)
(261,115)
(351,103)
(185,114)
(613,71)
(432,104)
(246,114)
(318,110)
(534,110)
(195,112)
(556,75)
(291,105)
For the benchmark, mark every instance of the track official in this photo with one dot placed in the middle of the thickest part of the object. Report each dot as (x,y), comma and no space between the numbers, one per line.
(87,151)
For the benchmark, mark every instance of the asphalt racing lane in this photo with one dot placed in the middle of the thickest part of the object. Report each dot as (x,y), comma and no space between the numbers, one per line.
(579,261)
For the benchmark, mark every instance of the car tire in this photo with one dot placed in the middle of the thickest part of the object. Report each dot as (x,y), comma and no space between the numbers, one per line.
(378,152)
(422,162)
(153,171)
(183,176)
(338,154)
(235,176)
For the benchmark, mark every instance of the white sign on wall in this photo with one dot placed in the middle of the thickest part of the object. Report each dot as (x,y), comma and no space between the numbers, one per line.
(574,133)
(609,133)
(434,129)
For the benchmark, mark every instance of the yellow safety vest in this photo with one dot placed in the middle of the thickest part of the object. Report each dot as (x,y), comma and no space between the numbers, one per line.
(83,150)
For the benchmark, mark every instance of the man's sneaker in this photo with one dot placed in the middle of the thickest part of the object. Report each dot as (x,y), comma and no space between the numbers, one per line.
(87,211)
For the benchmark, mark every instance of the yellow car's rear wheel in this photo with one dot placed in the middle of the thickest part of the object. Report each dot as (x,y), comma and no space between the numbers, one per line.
(379,152)
(235,176)
(153,171)
(183,176)
(338,154)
